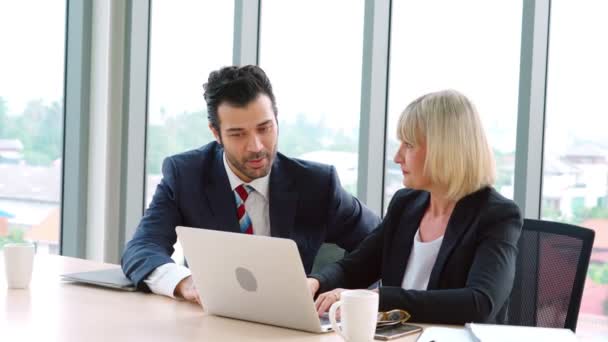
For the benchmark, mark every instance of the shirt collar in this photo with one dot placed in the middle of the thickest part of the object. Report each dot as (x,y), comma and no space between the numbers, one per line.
(259,184)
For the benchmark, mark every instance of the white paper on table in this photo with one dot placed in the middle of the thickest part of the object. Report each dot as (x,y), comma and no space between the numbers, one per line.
(500,333)
(440,334)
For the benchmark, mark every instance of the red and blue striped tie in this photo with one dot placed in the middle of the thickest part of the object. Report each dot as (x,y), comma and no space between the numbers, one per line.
(241,193)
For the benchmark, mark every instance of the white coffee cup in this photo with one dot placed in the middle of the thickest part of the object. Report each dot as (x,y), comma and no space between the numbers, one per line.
(359,313)
(18,264)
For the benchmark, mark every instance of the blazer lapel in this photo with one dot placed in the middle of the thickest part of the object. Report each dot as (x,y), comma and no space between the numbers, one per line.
(464,212)
(403,240)
(283,200)
(220,197)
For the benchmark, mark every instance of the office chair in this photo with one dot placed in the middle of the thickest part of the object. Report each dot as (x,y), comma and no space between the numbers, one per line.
(328,253)
(551,269)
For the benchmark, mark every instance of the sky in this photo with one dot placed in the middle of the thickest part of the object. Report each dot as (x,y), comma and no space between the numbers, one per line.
(32,41)
(189,39)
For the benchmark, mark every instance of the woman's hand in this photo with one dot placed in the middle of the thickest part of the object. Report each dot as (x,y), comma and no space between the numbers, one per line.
(313,286)
(325,300)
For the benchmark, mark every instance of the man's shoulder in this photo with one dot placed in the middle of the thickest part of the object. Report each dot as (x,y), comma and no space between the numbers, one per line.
(195,162)
(303,168)
(198,156)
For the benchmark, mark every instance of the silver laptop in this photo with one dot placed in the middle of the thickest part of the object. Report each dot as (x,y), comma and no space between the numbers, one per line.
(112,278)
(249,277)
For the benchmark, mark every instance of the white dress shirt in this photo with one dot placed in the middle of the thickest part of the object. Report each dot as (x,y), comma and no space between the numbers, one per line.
(256,204)
(421,262)
(165,278)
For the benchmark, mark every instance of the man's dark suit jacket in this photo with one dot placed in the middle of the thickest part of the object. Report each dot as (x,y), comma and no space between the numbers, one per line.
(306,202)
(473,274)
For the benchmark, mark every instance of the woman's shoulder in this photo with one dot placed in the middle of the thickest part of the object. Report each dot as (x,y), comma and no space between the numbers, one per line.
(487,198)
(489,205)
(406,199)
(405,194)
(495,201)
(496,210)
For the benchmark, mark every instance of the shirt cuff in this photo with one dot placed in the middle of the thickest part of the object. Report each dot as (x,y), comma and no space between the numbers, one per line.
(165,278)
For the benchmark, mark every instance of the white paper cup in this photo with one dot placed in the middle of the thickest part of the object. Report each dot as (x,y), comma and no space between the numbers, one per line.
(18,264)
(359,312)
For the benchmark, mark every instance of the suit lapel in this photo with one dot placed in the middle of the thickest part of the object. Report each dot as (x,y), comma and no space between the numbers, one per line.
(283,200)
(403,240)
(464,212)
(219,195)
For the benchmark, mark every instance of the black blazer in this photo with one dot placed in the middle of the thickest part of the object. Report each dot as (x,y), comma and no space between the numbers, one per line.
(306,202)
(473,274)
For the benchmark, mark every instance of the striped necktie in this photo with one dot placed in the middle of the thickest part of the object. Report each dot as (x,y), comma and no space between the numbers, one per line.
(240,194)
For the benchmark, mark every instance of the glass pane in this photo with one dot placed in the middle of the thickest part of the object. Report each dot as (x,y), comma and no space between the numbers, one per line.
(31,121)
(189,39)
(575,171)
(315,70)
(472,46)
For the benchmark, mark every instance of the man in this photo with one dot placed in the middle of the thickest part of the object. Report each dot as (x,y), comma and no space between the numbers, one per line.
(239,183)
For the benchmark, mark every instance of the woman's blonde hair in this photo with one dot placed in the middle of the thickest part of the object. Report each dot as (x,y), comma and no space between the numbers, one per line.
(458,156)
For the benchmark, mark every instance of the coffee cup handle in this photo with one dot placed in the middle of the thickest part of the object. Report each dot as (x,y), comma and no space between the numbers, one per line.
(332,318)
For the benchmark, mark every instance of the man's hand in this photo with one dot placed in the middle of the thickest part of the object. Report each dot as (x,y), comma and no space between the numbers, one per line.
(185,289)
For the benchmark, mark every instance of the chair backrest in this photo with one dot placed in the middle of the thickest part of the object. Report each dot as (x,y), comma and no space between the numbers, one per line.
(550,275)
(327,254)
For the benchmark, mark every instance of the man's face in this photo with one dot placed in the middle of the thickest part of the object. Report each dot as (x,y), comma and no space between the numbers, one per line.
(249,135)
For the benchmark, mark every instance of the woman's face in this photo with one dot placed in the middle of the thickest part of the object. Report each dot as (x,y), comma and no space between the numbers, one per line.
(411,159)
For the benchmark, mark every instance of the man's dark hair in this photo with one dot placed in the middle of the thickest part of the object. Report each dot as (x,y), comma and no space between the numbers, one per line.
(237,86)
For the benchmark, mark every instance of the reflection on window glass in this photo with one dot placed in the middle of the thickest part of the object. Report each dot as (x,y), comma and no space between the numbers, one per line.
(189,39)
(472,46)
(575,171)
(312,53)
(31,121)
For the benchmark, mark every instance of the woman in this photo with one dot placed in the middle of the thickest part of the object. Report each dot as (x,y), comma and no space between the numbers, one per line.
(446,250)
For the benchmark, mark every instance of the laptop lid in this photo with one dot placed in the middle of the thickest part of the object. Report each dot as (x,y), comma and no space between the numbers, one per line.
(249,277)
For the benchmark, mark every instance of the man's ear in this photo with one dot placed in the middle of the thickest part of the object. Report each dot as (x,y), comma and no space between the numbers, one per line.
(216,134)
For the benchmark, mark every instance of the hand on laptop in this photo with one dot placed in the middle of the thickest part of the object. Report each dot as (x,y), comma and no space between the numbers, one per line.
(313,285)
(185,289)
(325,300)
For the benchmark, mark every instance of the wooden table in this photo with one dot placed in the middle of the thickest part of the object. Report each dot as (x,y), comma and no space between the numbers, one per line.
(54,310)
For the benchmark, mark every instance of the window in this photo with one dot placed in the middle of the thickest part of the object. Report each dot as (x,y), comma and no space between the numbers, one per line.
(472,46)
(315,70)
(576,143)
(189,39)
(31,121)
